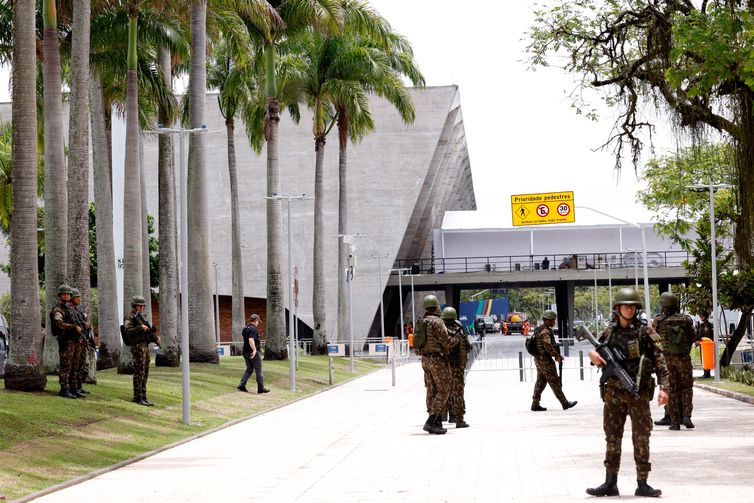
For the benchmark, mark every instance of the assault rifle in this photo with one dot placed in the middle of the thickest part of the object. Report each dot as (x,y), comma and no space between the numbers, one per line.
(613,359)
(151,334)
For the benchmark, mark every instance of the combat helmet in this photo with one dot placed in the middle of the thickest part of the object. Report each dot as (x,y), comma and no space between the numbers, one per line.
(431,301)
(75,292)
(627,295)
(668,300)
(64,289)
(549,315)
(138,300)
(449,313)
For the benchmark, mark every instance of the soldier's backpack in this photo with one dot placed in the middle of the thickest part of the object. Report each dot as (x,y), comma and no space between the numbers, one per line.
(420,334)
(531,344)
(678,341)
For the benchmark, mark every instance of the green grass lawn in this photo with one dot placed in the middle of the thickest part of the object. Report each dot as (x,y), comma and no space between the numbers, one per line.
(737,387)
(45,439)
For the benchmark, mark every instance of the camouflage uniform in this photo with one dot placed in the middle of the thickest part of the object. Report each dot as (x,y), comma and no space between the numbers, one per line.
(678,360)
(63,327)
(435,364)
(132,325)
(705,329)
(457,358)
(79,352)
(546,371)
(635,341)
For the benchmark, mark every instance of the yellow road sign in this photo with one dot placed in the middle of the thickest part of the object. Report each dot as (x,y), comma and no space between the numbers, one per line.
(545,208)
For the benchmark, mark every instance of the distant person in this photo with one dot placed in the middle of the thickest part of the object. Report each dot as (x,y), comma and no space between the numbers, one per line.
(565,263)
(545,264)
(78,366)
(457,357)
(67,332)
(705,328)
(546,371)
(676,331)
(574,261)
(252,355)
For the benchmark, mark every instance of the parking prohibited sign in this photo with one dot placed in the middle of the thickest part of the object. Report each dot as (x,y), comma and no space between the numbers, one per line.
(544,208)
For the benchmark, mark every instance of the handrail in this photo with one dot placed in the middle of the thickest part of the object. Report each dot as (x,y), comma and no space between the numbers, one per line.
(516,263)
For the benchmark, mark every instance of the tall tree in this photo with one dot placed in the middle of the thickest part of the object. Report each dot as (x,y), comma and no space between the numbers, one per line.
(78,157)
(133,275)
(298,15)
(688,59)
(201,330)
(56,204)
(231,73)
(24,368)
(107,316)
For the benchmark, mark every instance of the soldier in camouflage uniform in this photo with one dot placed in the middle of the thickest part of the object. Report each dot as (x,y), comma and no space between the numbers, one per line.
(639,343)
(457,358)
(677,334)
(705,328)
(136,326)
(546,372)
(78,361)
(64,327)
(435,364)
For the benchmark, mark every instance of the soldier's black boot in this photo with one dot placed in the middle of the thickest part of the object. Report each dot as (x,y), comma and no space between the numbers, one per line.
(79,393)
(645,489)
(569,405)
(460,423)
(687,422)
(609,488)
(674,426)
(537,408)
(82,390)
(431,426)
(665,421)
(66,394)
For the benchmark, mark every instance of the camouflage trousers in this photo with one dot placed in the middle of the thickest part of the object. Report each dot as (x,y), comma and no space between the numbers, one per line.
(141,369)
(66,351)
(680,394)
(437,382)
(619,403)
(77,364)
(547,374)
(456,403)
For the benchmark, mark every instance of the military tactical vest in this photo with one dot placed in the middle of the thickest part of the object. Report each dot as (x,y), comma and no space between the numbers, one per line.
(67,318)
(420,334)
(674,331)
(458,354)
(631,344)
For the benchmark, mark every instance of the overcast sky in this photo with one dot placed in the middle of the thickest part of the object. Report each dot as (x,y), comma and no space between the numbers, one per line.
(522,134)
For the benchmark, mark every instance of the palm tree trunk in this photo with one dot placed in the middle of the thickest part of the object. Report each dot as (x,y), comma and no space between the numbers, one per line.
(24,368)
(169,355)
(146,283)
(56,205)
(78,165)
(109,334)
(201,310)
(274,348)
(133,276)
(318,259)
(343,326)
(239,315)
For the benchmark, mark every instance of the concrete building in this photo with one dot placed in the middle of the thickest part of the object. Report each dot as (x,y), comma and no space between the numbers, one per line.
(401,180)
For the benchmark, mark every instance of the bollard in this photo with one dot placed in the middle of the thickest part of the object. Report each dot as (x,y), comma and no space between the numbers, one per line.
(392,362)
(330,370)
(521,366)
(581,364)
(565,346)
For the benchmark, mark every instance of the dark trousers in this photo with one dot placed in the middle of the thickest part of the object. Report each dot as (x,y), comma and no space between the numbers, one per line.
(253,365)
(141,369)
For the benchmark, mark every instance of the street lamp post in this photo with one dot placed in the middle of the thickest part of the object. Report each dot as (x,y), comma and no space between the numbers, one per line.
(182,192)
(400,295)
(644,251)
(379,290)
(711,187)
(217,309)
(413,304)
(291,342)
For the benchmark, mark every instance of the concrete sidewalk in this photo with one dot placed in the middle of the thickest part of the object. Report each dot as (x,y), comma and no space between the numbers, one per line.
(363,441)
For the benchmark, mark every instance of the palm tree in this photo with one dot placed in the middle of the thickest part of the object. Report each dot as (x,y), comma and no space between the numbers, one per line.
(298,15)
(132,210)
(380,59)
(56,206)
(231,73)
(24,368)
(78,155)
(109,335)
(201,340)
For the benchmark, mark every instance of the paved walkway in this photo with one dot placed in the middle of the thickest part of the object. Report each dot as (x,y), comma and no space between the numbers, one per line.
(362,442)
